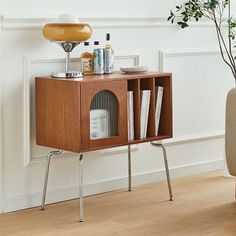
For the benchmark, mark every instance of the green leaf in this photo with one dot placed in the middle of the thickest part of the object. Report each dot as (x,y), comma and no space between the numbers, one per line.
(169,18)
(182,24)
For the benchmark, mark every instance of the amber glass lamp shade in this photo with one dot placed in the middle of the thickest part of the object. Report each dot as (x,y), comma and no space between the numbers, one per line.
(68,36)
(67,32)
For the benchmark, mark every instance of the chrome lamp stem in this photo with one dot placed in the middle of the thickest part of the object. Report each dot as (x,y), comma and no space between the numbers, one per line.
(67,62)
(68,48)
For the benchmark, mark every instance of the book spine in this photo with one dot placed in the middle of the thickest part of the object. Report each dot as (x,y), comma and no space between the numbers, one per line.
(142,114)
(130,116)
(160,91)
(145,101)
(128,109)
(147,112)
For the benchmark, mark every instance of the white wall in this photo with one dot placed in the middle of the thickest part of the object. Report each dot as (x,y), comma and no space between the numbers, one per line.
(200,85)
(88,8)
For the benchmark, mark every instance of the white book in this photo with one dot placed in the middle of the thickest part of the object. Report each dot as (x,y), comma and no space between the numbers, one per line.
(159,91)
(147,113)
(145,103)
(130,108)
(142,111)
(99,124)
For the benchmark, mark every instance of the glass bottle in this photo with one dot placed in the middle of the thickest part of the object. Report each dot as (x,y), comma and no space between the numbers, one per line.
(108,56)
(87,60)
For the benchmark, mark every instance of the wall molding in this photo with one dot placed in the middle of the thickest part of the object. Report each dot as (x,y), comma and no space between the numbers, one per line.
(163,54)
(27,73)
(14,22)
(185,52)
(123,149)
(193,138)
(13,203)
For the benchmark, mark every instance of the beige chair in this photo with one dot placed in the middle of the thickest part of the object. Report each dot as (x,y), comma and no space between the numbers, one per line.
(230,132)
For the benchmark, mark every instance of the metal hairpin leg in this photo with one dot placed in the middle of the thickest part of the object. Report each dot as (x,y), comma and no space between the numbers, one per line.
(166,167)
(81,212)
(46,175)
(129,167)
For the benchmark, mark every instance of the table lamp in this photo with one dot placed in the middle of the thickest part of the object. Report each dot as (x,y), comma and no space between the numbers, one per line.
(68,32)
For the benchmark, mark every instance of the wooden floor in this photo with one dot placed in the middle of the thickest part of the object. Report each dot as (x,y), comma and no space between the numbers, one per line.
(204,205)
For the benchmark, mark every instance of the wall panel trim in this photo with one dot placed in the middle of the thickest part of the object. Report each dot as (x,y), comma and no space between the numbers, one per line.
(11,22)
(189,52)
(163,54)
(193,138)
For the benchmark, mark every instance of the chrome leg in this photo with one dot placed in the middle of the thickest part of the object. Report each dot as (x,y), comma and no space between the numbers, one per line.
(167,173)
(81,188)
(129,167)
(166,168)
(46,175)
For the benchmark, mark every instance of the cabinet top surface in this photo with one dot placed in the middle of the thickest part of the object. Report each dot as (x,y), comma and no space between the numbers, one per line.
(113,76)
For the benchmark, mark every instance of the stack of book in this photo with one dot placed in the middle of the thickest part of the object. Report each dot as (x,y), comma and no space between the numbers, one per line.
(145,104)
(130,108)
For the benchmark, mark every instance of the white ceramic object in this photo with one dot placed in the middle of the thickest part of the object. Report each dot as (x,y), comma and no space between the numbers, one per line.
(67,18)
(134,69)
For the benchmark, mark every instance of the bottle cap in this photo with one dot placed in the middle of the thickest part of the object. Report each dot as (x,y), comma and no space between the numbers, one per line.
(108,37)
(96,42)
(86,43)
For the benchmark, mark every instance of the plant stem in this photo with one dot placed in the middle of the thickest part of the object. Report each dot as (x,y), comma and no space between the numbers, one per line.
(229,34)
(231,62)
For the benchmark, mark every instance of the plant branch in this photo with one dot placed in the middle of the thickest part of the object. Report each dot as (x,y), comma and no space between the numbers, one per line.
(222,53)
(229,34)
(214,11)
(229,55)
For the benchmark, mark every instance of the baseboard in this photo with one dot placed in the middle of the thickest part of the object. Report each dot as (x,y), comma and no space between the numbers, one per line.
(61,194)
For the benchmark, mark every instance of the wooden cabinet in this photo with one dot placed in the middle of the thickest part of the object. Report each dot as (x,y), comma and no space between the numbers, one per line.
(63,109)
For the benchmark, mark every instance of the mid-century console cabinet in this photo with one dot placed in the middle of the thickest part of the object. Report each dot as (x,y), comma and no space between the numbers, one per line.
(63,109)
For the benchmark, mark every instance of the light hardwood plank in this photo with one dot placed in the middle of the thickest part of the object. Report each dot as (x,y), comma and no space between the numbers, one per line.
(204,205)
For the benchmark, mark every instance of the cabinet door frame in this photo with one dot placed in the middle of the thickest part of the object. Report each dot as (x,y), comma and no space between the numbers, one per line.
(88,91)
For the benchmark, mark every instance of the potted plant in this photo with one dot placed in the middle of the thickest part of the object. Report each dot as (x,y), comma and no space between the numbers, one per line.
(219,12)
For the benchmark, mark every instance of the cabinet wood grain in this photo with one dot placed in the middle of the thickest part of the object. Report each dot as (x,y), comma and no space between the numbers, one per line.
(63,109)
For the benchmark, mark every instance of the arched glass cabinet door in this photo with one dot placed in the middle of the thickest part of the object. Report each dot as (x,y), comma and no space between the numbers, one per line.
(104,114)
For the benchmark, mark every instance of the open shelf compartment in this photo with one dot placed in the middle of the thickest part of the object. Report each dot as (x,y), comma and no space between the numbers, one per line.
(165,125)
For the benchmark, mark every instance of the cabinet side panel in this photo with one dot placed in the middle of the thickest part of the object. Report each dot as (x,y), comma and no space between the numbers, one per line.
(57,114)
(166,125)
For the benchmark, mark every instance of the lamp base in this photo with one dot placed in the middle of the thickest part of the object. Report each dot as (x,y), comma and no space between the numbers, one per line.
(69,74)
